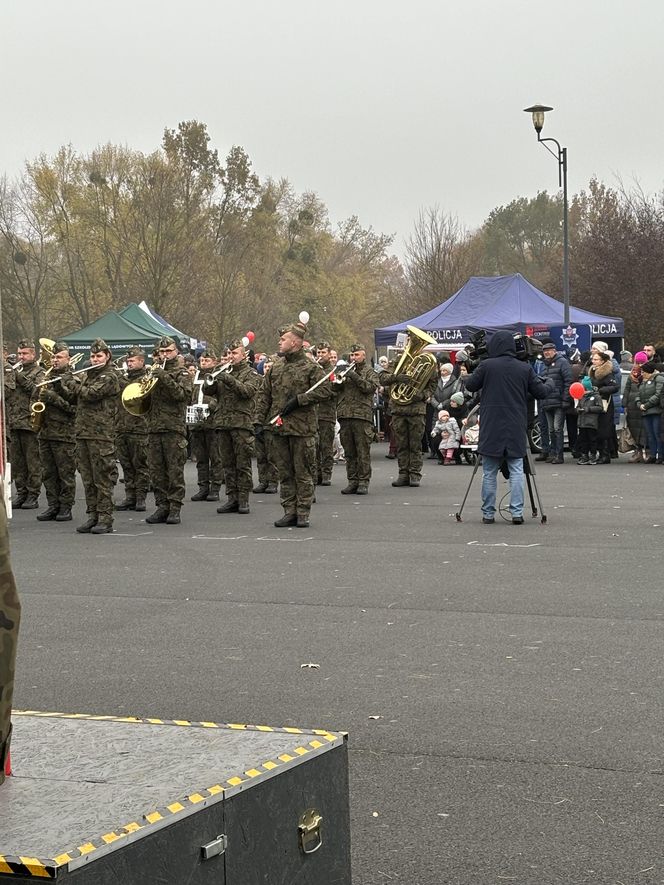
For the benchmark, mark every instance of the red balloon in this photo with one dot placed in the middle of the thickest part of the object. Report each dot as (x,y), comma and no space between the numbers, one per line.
(251,336)
(577,390)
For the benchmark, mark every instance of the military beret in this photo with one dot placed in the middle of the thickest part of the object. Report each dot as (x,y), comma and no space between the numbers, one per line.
(356,348)
(59,346)
(298,329)
(235,343)
(167,342)
(208,353)
(323,345)
(136,351)
(26,343)
(99,346)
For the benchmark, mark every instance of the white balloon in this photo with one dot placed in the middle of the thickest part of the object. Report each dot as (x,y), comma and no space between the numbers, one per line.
(245,341)
(304,317)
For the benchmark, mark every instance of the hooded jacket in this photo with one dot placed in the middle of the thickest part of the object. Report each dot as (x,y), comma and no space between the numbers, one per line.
(505,383)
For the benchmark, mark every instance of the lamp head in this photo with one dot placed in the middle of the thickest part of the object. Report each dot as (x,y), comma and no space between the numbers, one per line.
(538,111)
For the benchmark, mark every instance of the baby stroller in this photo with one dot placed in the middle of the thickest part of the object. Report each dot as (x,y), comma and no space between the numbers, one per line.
(470,436)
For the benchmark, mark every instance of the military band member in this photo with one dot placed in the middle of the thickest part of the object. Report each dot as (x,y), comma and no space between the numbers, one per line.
(284,394)
(235,391)
(205,443)
(24,452)
(95,394)
(327,417)
(132,439)
(167,433)
(57,440)
(355,413)
(268,477)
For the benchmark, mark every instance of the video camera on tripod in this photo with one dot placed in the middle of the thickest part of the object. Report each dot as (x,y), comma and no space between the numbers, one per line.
(527,348)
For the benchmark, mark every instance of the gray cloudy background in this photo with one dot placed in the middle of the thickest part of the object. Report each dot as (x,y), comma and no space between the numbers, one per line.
(380,107)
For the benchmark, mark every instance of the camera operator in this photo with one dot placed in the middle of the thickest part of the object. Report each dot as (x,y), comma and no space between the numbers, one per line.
(505,382)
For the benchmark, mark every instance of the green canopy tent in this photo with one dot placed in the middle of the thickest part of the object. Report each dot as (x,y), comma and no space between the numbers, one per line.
(118,332)
(136,316)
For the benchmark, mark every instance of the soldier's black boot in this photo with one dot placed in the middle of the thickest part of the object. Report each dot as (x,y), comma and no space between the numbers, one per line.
(127,504)
(30,503)
(87,527)
(401,481)
(102,528)
(362,488)
(243,503)
(302,521)
(64,514)
(140,502)
(213,494)
(231,506)
(351,488)
(173,517)
(160,515)
(202,493)
(326,481)
(271,488)
(18,500)
(286,520)
(260,488)
(50,513)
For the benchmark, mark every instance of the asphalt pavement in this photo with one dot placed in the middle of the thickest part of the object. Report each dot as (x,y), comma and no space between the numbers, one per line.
(501,685)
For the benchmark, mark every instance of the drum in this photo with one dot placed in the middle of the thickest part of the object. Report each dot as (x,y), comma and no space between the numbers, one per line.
(197,413)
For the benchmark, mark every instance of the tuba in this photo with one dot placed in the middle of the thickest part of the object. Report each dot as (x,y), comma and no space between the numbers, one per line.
(418,365)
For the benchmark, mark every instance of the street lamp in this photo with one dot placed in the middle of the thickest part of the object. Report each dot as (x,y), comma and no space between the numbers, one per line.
(538,111)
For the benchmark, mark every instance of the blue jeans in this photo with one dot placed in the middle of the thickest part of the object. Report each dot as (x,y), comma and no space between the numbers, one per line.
(652,425)
(555,419)
(490,468)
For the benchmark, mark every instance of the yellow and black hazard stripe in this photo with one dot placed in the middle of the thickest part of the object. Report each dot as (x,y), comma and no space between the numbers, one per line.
(28,867)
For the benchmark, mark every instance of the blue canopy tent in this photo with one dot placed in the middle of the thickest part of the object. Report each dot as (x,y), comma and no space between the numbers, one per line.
(492,303)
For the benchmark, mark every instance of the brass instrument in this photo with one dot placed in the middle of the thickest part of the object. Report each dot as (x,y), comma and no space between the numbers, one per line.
(47,349)
(136,396)
(340,377)
(17,367)
(419,366)
(209,377)
(37,408)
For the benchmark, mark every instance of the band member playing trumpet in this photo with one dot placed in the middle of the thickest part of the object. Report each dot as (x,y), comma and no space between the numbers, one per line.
(355,412)
(132,439)
(167,433)
(95,393)
(57,440)
(24,453)
(235,391)
(205,443)
(285,402)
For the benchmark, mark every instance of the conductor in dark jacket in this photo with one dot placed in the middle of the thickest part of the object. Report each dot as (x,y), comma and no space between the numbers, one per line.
(505,382)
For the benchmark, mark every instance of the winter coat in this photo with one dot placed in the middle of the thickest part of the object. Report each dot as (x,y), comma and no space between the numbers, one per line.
(589,408)
(650,394)
(441,397)
(356,393)
(291,376)
(558,371)
(449,427)
(633,415)
(505,382)
(603,379)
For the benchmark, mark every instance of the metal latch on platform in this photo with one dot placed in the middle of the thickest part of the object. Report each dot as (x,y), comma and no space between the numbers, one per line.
(214,848)
(308,829)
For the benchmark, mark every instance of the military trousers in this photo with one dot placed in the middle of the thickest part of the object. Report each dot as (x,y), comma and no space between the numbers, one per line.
(237,448)
(206,450)
(267,469)
(26,466)
(167,455)
(408,430)
(325,449)
(356,438)
(58,462)
(132,452)
(95,460)
(10,617)
(295,457)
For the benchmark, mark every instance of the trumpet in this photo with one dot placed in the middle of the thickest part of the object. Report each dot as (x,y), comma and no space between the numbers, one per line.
(60,377)
(339,378)
(208,378)
(17,367)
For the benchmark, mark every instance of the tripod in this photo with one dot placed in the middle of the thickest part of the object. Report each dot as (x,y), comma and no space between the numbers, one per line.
(529,472)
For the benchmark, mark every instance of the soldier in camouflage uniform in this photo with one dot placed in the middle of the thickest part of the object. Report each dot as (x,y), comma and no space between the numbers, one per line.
(355,411)
(95,393)
(235,391)
(57,440)
(327,419)
(131,439)
(10,616)
(205,442)
(24,452)
(167,439)
(294,436)
(408,421)
(268,477)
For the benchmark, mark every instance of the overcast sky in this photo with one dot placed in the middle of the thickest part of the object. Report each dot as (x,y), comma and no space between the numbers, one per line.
(382,107)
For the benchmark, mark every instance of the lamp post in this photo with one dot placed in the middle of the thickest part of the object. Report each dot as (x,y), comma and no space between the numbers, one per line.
(538,111)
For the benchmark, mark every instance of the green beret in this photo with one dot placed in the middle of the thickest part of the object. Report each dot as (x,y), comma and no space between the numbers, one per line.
(356,348)
(59,346)
(166,342)
(26,343)
(99,346)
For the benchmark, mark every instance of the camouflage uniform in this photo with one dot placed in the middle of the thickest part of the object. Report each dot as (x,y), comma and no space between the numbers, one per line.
(327,418)
(24,452)
(95,394)
(206,445)
(294,441)
(167,438)
(408,421)
(234,417)
(355,412)
(57,449)
(10,616)
(131,446)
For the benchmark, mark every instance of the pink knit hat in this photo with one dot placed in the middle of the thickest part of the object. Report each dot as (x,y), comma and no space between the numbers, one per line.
(641,357)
